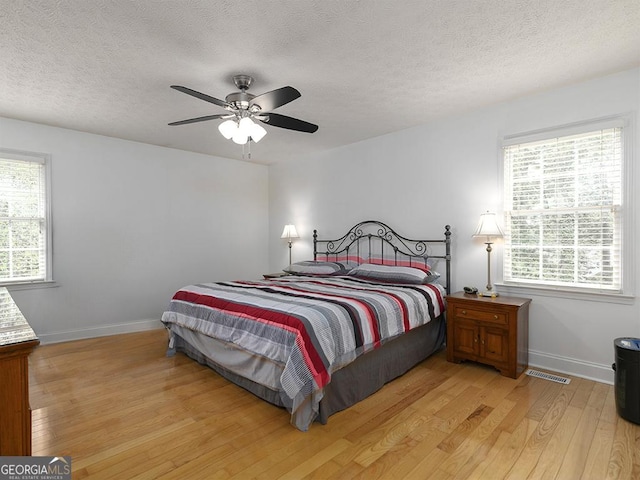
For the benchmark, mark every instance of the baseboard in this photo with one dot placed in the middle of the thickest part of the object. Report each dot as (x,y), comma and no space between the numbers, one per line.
(102,331)
(570,366)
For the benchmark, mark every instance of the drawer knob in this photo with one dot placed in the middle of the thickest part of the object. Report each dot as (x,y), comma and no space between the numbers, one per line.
(464,312)
(495,316)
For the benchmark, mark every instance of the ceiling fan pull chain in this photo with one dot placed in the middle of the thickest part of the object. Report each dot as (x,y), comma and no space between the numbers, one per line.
(248,144)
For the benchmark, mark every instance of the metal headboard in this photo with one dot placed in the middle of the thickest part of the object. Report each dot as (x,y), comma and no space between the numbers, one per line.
(379,241)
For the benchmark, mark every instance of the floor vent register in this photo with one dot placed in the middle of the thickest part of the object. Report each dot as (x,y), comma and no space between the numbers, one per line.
(548,376)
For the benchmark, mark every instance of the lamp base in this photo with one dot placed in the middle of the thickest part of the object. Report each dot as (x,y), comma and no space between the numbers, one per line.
(488,293)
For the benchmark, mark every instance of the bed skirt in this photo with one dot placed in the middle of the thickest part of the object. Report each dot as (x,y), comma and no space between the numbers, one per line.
(361,378)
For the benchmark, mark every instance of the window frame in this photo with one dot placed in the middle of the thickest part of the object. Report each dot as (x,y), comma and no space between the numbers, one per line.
(626,294)
(45,160)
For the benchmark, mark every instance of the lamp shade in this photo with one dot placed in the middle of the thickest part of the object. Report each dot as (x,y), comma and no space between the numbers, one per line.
(245,125)
(228,128)
(290,232)
(257,132)
(240,137)
(488,226)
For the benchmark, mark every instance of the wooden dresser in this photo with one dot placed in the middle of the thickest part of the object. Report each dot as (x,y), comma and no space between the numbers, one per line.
(493,331)
(17,340)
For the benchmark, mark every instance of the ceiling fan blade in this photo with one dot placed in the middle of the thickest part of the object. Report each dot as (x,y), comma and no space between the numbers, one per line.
(201,96)
(275,98)
(202,119)
(282,121)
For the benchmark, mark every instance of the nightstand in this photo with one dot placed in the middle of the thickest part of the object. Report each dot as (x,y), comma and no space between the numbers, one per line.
(493,331)
(267,276)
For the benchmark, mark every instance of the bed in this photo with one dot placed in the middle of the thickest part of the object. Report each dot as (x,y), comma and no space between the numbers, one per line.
(334,330)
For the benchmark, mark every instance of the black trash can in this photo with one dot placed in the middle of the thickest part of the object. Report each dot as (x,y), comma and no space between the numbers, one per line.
(627,378)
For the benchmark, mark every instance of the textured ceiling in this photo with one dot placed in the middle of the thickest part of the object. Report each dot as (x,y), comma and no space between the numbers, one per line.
(364,68)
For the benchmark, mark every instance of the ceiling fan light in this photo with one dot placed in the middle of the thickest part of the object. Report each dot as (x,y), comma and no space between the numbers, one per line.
(245,125)
(257,132)
(240,136)
(228,129)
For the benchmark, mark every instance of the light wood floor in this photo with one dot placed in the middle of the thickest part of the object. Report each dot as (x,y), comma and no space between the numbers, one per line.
(121,409)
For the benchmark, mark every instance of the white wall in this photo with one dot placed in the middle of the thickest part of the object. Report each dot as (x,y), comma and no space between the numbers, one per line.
(132,224)
(420,179)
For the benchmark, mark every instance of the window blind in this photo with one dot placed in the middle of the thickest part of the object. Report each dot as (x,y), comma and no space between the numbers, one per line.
(563,211)
(23,219)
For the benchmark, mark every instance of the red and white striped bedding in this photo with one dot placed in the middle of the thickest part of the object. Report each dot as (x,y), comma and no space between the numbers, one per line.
(310,326)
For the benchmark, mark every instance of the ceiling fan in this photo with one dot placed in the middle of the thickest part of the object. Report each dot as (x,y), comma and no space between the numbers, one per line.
(244,107)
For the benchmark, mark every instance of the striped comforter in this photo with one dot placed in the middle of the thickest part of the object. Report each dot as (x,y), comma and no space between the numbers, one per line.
(310,326)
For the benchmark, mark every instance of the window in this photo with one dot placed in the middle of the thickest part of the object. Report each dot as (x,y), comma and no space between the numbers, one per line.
(25,227)
(564,210)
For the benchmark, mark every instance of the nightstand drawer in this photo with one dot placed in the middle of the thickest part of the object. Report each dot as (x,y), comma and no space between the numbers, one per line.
(482,315)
